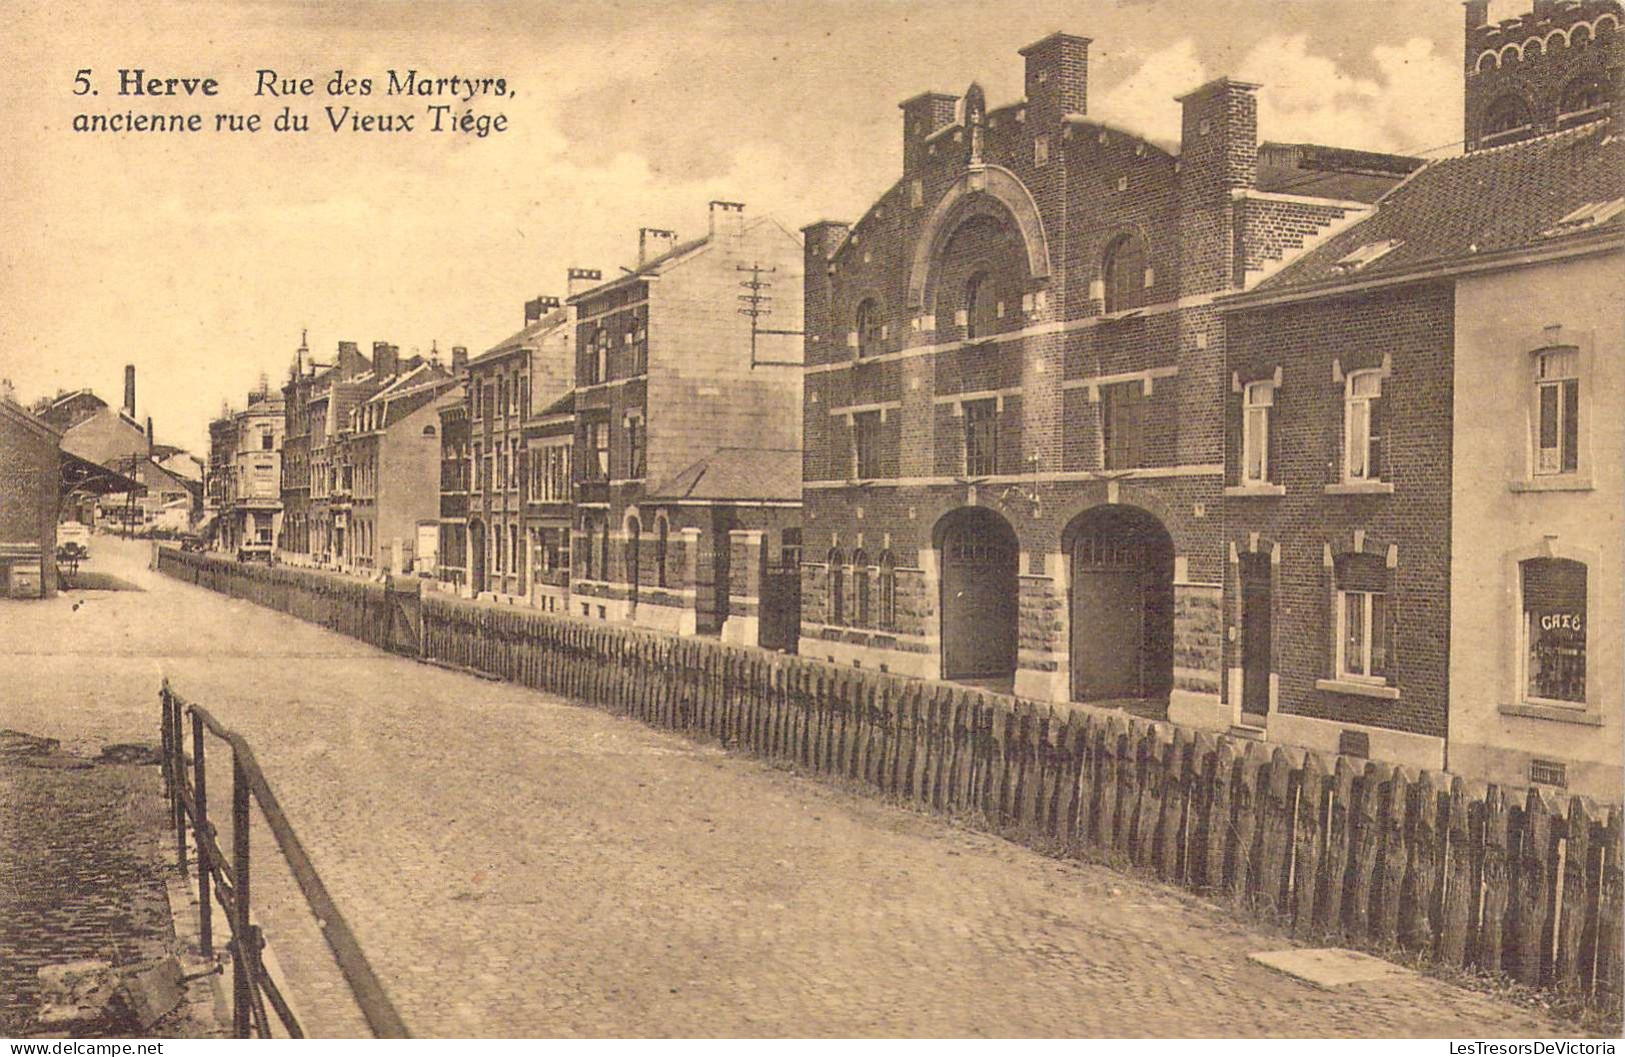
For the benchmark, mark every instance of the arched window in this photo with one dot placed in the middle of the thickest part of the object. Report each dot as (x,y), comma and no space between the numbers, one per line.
(428,431)
(662,533)
(1553,633)
(869,327)
(1122,272)
(887,616)
(979,307)
(837,587)
(634,570)
(1581,94)
(860,588)
(1506,114)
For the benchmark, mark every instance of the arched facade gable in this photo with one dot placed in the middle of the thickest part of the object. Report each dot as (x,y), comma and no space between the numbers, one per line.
(989,190)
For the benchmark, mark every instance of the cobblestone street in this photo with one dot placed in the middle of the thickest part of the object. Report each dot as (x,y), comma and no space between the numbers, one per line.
(516,865)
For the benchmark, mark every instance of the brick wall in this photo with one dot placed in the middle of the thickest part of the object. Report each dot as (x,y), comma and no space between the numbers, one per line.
(1412,330)
(1534,58)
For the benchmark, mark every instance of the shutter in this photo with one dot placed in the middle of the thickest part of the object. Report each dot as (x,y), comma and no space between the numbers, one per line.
(1273,449)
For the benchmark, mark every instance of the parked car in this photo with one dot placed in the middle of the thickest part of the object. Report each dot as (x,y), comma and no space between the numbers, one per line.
(73,532)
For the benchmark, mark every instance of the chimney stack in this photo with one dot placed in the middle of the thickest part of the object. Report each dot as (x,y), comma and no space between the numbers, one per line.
(579,280)
(129,389)
(537,308)
(459,359)
(654,242)
(727,218)
(1057,79)
(351,362)
(923,115)
(386,361)
(1477,15)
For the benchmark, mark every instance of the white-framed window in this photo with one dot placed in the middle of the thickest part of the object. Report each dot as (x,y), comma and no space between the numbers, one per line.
(1362,620)
(1364,430)
(1258,404)
(1552,631)
(1557,411)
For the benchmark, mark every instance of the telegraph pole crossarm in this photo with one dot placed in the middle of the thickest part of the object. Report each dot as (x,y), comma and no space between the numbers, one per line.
(756,304)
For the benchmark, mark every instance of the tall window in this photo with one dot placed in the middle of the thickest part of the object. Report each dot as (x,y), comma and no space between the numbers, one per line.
(1557,394)
(860,589)
(479,469)
(1363,428)
(640,341)
(1554,630)
(267,440)
(1506,114)
(603,549)
(633,556)
(790,549)
(1122,274)
(837,587)
(598,451)
(1362,618)
(517,564)
(869,327)
(1258,404)
(866,445)
(887,589)
(636,446)
(598,357)
(1122,418)
(981,438)
(1581,94)
(979,307)
(589,570)
(662,540)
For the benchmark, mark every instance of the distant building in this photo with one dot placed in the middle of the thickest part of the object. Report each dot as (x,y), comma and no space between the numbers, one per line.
(392,456)
(675,388)
(549,444)
(249,492)
(30,476)
(524,373)
(452,556)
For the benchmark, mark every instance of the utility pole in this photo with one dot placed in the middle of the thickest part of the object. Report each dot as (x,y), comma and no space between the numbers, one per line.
(756,305)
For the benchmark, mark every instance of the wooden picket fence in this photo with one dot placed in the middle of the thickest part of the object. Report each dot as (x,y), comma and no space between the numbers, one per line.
(1338,850)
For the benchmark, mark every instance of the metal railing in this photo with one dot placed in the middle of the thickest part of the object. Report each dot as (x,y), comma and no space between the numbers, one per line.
(226,880)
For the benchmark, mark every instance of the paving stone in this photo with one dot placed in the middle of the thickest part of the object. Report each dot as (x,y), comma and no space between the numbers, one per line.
(1330,967)
(517,865)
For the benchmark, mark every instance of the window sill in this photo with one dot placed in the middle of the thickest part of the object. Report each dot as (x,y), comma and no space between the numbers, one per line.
(1343,686)
(1554,483)
(1254,491)
(1361,488)
(1557,713)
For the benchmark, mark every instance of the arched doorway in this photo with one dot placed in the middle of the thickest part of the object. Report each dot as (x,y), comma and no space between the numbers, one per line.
(978,554)
(476,557)
(1122,606)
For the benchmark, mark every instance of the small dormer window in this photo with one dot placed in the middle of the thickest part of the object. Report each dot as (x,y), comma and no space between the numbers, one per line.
(1363,256)
(1587,216)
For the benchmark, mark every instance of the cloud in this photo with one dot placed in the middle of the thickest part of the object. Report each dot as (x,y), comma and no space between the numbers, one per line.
(1411,103)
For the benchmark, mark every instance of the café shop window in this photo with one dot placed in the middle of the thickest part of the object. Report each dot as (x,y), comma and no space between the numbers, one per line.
(1553,633)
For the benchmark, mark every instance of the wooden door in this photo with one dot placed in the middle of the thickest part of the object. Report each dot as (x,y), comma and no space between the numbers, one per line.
(979,603)
(1256,632)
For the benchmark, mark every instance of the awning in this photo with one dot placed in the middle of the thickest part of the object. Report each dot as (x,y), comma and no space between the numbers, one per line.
(83,477)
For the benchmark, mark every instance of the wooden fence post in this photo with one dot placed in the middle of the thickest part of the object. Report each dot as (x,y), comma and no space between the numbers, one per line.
(1460,881)
(1497,866)
(1533,897)
(1309,837)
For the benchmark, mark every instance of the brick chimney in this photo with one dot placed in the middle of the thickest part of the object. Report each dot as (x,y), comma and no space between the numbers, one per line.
(351,362)
(923,115)
(1218,156)
(459,359)
(819,241)
(1057,79)
(129,389)
(538,307)
(580,280)
(386,360)
(653,242)
(727,218)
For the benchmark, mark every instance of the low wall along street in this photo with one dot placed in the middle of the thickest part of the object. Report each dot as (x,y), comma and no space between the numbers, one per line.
(1342,850)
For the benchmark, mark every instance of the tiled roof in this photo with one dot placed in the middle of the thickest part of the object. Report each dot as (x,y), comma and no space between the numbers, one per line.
(737,474)
(1470,205)
(525,338)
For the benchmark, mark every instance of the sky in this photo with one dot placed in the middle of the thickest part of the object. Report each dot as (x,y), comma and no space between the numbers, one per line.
(201,259)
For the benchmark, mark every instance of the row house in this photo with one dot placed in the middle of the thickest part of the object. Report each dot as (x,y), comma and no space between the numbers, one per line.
(456,474)
(687,422)
(1014,443)
(312,426)
(549,445)
(1423,429)
(506,386)
(391,454)
(247,476)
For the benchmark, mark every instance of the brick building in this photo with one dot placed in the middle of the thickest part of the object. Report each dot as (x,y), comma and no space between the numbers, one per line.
(456,470)
(1556,67)
(1411,412)
(507,385)
(30,472)
(247,475)
(391,454)
(1014,437)
(687,411)
(549,445)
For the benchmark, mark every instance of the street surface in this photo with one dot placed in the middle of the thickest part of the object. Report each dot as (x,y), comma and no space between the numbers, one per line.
(515,865)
